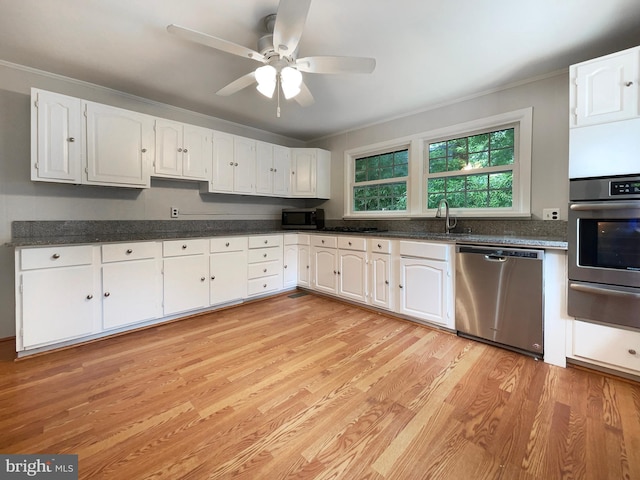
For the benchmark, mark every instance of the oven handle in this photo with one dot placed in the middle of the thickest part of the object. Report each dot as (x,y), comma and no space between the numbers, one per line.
(604,206)
(603,291)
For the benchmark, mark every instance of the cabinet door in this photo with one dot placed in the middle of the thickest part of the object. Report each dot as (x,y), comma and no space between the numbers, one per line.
(228,276)
(118,143)
(131,292)
(607,89)
(422,289)
(223,163)
(325,270)
(264,168)
(168,151)
(244,177)
(352,275)
(56,132)
(185,283)
(58,304)
(197,152)
(303,172)
(380,288)
(304,267)
(281,170)
(290,266)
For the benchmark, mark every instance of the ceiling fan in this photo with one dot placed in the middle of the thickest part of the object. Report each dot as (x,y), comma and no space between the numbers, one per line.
(277,51)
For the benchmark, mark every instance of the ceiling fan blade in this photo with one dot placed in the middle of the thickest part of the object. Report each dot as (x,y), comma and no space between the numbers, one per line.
(331,64)
(214,42)
(237,85)
(290,20)
(304,98)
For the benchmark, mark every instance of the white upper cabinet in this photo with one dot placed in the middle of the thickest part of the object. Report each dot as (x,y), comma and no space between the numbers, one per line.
(234,164)
(273,168)
(119,145)
(605,89)
(310,173)
(56,131)
(182,151)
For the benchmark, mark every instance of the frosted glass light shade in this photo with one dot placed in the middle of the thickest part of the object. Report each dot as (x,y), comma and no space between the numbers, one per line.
(266,78)
(291,81)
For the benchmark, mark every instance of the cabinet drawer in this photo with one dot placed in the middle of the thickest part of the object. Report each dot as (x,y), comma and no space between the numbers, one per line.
(324,241)
(264,254)
(352,243)
(265,241)
(303,239)
(290,239)
(50,257)
(175,248)
(379,245)
(435,251)
(257,286)
(613,346)
(228,244)
(264,269)
(119,252)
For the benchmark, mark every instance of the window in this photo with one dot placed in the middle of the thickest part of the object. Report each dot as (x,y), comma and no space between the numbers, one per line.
(489,155)
(380,182)
(482,168)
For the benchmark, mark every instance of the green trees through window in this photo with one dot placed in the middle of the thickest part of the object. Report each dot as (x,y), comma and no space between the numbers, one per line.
(377,186)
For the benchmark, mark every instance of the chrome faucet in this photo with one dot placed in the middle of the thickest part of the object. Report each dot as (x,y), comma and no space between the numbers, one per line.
(448,226)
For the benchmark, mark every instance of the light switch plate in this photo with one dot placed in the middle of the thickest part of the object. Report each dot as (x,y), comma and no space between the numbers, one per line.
(551,214)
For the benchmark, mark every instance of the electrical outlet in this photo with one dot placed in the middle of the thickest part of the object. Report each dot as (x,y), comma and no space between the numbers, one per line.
(551,214)
(175,212)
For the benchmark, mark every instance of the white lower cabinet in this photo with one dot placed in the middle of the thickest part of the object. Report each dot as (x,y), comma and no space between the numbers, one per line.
(380,283)
(426,282)
(352,268)
(227,275)
(290,261)
(304,265)
(57,295)
(264,269)
(131,283)
(185,275)
(606,346)
(324,264)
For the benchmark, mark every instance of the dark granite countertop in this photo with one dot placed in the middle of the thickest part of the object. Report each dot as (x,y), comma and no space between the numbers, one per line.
(59,233)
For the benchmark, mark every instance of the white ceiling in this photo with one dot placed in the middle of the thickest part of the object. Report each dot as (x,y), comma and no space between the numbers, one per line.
(428,51)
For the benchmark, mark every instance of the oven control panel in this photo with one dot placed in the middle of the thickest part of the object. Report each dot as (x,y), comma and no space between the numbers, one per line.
(625,187)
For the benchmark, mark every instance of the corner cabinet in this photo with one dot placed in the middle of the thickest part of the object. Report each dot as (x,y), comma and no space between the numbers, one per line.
(606,89)
(310,173)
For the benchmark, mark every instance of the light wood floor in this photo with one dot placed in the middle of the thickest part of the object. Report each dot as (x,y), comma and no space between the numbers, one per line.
(307,387)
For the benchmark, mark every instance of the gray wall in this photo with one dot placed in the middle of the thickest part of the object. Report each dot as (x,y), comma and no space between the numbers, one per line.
(22,199)
(549,98)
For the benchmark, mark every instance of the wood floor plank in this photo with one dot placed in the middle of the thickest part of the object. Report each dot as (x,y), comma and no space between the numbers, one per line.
(308,387)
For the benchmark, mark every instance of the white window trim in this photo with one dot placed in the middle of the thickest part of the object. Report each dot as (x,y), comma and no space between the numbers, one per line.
(416,186)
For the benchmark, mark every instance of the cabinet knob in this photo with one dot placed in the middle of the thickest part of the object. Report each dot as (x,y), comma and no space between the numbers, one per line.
(226,244)
(293,173)
(55,256)
(107,294)
(386,282)
(231,163)
(338,272)
(264,286)
(271,169)
(202,279)
(264,271)
(307,266)
(264,255)
(179,150)
(632,351)
(144,150)
(349,243)
(275,169)
(400,286)
(322,241)
(184,247)
(285,266)
(213,277)
(379,246)
(628,84)
(266,241)
(185,150)
(129,251)
(235,164)
(89,297)
(335,273)
(71,139)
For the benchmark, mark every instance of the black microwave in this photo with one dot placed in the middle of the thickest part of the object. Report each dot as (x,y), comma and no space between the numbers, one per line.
(303,218)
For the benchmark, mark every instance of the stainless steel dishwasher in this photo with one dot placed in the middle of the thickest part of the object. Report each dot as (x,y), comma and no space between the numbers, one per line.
(499,297)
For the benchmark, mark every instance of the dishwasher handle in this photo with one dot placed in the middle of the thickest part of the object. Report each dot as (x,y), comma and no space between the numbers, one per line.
(495,258)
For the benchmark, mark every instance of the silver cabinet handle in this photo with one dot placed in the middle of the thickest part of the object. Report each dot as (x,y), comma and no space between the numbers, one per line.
(632,351)
(179,150)
(55,256)
(202,279)
(71,139)
(226,244)
(400,286)
(129,251)
(275,169)
(235,164)
(264,286)
(231,163)
(264,271)
(265,255)
(386,282)
(89,297)
(184,247)
(285,266)
(106,294)
(213,277)
(628,84)
(185,150)
(271,169)
(144,150)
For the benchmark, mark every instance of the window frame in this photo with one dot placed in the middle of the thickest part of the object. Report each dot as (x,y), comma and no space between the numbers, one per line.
(417,144)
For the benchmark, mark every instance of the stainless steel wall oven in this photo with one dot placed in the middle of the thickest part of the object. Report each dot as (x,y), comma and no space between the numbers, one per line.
(604,250)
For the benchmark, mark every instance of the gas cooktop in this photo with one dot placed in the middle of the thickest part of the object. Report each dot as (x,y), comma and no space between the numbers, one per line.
(352,229)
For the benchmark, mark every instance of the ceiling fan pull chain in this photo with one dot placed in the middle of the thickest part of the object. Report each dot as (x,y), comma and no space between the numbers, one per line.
(278,90)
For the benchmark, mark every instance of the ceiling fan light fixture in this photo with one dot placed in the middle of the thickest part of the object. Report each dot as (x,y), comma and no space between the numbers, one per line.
(266,78)
(291,81)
